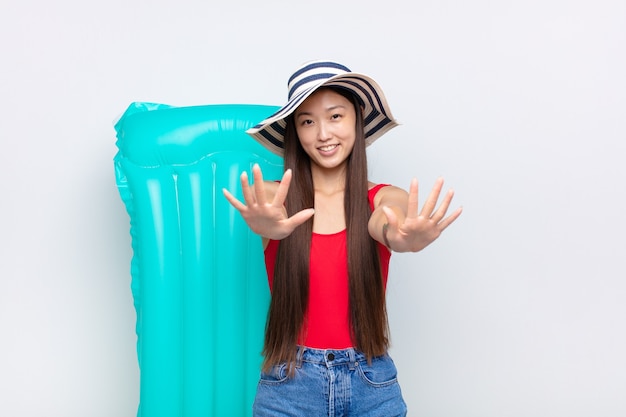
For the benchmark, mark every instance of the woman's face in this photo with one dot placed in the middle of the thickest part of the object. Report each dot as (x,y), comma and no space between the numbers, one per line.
(325,123)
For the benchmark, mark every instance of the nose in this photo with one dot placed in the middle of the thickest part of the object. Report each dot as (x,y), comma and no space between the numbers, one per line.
(324,132)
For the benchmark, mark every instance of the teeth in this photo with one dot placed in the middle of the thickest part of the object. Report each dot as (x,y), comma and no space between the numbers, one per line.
(327,148)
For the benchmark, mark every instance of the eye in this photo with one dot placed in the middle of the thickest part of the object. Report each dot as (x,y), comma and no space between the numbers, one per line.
(306,122)
(335,116)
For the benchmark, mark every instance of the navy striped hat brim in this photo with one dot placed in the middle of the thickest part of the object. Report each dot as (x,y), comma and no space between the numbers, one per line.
(377,117)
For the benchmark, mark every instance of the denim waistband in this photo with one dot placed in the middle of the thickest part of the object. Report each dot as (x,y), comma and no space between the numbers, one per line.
(329,357)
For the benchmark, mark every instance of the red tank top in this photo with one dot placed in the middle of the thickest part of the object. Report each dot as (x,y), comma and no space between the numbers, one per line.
(327,320)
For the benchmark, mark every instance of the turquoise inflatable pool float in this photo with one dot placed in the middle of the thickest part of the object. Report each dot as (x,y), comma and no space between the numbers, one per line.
(198,276)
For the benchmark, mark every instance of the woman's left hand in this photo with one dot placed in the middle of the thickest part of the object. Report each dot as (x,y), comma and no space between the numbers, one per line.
(418,228)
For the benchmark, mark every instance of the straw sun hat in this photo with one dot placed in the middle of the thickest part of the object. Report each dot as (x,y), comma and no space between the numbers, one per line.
(306,80)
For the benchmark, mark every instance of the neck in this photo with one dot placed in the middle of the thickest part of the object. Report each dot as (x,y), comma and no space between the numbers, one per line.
(329,181)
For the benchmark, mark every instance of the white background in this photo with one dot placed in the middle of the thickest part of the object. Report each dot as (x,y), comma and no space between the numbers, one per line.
(518,310)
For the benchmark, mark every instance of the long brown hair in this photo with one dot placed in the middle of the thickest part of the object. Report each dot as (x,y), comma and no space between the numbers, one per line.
(368,315)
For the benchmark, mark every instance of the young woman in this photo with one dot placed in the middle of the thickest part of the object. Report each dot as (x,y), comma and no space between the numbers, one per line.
(328,234)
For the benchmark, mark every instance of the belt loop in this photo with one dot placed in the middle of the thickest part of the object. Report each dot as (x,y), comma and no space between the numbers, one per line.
(299,355)
(351,358)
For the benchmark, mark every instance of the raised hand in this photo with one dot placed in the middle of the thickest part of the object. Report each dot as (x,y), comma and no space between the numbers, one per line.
(419,229)
(268,220)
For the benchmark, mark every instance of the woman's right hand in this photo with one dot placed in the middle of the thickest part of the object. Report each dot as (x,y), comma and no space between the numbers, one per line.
(268,220)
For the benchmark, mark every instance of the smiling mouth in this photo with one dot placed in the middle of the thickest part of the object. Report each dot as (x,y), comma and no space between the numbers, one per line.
(327,148)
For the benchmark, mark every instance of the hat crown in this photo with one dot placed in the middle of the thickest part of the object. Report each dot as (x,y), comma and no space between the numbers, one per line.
(312,74)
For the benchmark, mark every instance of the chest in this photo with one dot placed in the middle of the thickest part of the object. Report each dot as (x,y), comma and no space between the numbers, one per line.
(329,213)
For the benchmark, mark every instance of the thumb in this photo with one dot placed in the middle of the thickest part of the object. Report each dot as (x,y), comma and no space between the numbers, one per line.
(392,218)
(301,217)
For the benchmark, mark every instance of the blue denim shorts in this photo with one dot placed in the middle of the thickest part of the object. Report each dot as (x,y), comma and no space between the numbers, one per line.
(332,383)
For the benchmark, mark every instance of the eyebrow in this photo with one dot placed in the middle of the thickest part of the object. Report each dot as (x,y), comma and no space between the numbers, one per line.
(329,109)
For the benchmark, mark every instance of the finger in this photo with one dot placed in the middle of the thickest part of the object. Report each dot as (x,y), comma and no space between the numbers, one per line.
(451,218)
(281,191)
(411,210)
(301,217)
(431,201)
(443,207)
(248,195)
(259,185)
(233,200)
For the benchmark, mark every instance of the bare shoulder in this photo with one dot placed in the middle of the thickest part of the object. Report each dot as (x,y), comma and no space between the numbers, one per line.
(389,195)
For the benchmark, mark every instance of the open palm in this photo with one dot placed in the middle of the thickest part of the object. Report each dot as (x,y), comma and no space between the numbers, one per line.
(420,228)
(267,219)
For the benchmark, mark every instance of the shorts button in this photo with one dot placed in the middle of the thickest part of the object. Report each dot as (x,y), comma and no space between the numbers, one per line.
(331,356)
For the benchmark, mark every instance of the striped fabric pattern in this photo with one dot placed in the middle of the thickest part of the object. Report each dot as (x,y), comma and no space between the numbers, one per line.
(313,75)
